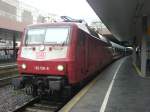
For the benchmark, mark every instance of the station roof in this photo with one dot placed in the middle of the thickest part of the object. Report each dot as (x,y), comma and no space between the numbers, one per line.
(121,16)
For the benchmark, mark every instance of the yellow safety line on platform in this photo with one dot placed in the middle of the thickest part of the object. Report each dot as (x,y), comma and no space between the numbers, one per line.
(77,97)
(138,70)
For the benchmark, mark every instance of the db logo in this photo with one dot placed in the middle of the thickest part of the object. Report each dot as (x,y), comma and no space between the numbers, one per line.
(40,55)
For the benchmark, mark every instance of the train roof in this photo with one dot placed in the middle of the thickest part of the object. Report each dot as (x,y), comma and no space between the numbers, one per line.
(57,24)
(103,38)
(117,45)
(52,24)
(83,26)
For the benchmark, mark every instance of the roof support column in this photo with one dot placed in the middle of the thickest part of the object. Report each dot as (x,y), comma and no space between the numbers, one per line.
(137,43)
(145,42)
(143,55)
(134,57)
(14,45)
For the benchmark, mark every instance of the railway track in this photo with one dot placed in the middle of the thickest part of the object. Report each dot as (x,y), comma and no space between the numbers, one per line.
(7,80)
(8,66)
(8,70)
(37,105)
(33,105)
(7,73)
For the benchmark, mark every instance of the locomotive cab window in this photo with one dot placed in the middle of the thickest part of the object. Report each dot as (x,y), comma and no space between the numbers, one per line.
(47,36)
(35,36)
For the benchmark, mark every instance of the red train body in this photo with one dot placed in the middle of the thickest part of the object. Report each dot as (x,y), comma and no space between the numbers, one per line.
(61,54)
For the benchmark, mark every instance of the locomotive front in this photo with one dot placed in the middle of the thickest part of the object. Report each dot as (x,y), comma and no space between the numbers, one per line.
(42,58)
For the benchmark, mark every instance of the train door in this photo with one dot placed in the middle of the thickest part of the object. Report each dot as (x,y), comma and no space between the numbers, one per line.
(86,55)
(83,52)
(80,56)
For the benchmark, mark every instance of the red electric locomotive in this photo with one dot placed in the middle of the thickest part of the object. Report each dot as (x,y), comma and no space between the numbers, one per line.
(56,56)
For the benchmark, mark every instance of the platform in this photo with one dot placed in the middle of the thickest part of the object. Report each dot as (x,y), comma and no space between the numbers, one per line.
(119,88)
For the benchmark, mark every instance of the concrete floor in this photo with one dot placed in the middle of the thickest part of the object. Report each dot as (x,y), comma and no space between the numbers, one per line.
(129,92)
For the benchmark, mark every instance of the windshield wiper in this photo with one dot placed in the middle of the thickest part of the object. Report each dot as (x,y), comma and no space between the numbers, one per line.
(50,42)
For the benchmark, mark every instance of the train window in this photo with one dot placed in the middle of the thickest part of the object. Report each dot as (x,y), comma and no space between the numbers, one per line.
(47,36)
(56,35)
(35,36)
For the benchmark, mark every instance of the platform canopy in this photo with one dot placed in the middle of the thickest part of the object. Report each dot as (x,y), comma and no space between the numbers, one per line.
(120,16)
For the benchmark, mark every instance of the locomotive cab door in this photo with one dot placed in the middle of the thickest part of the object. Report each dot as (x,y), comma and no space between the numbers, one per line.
(85,53)
(82,59)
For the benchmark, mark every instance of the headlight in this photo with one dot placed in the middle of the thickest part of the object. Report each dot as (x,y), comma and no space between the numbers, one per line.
(60,67)
(24,66)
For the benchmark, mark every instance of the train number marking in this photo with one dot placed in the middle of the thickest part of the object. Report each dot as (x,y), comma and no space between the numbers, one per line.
(41,68)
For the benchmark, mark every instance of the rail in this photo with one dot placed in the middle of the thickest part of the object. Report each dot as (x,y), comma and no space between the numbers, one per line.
(7,69)
(7,80)
(8,66)
(37,105)
(7,73)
